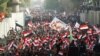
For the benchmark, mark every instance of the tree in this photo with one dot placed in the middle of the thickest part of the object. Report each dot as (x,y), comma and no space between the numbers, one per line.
(7,5)
(25,3)
(3,5)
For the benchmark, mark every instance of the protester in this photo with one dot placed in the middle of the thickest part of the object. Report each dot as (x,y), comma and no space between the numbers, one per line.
(38,38)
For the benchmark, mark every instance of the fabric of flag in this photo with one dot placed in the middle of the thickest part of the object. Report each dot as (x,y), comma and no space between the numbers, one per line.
(10,45)
(27,11)
(65,41)
(27,41)
(45,39)
(99,40)
(60,53)
(2,49)
(19,25)
(52,43)
(96,29)
(89,31)
(65,34)
(77,25)
(66,28)
(36,42)
(83,27)
(84,36)
(30,24)
(26,33)
(64,46)
(57,24)
(20,46)
(79,36)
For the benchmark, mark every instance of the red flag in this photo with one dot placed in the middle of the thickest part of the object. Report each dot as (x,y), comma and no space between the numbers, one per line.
(90,31)
(96,29)
(65,34)
(10,45)
(36,42)
(66,40)
(27,41)
(44,40)
(2,49)
(82,27)
(20,46)
(52,43)
(30,24)
(26,33)
(79,36)
(60,53)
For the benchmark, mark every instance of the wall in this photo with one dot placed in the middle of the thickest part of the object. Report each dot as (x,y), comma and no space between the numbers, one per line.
(92,16)
(5,26)
(9,23)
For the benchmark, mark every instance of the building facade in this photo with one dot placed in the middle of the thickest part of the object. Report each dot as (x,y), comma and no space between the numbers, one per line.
(91,9)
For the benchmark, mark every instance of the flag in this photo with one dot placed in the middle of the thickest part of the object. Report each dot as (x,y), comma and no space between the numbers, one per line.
(2,49)
(30,24)
(83,27)
(18,26)
(65,41)
(27,33)
(27,12)
(65,35)
(36,42)
(60,53)
(99,40)
(77,25)
(27,41)
(90,31)
(57,24)
(96,29)
(45,39)
(20,46)
(52,43)
(10,45)
(79,36)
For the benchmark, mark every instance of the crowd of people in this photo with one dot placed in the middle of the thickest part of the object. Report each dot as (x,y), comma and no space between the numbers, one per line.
(38,39)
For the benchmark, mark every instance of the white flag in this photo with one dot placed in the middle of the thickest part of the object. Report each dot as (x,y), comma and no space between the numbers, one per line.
(57,24)
(77,25)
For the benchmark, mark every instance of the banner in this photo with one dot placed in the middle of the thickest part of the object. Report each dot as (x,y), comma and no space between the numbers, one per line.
(57,24)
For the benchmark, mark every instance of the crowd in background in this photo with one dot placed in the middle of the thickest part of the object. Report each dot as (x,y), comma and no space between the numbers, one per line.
(38,39)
